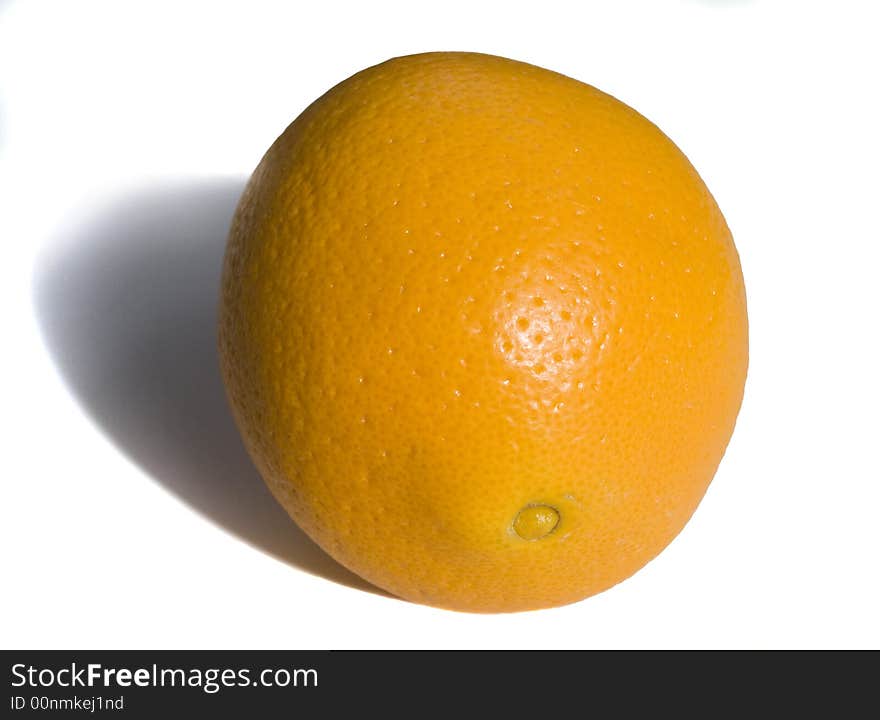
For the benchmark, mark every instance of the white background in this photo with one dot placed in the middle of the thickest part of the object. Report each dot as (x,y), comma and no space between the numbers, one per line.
(130,516)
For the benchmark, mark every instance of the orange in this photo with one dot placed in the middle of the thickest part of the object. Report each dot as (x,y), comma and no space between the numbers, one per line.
(483,329)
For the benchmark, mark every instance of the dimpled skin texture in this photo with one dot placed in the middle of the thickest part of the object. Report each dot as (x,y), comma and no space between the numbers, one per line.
(458,286)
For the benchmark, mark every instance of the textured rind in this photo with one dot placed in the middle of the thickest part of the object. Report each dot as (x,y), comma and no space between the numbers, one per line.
(457,285)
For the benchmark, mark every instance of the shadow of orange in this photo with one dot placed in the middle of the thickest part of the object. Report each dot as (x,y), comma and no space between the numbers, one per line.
(127,307)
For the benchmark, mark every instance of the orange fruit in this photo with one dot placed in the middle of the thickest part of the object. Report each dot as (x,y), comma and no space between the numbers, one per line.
(483,329)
